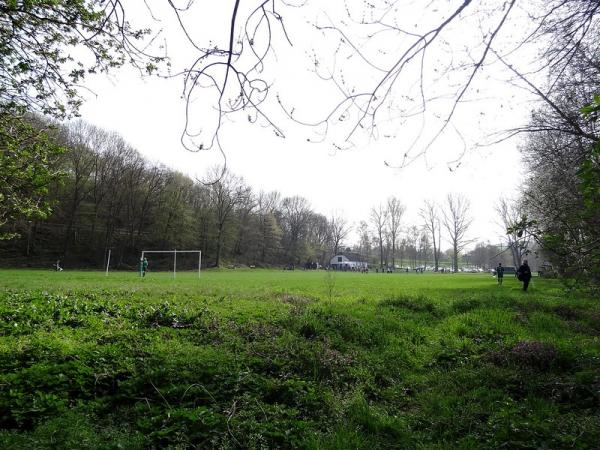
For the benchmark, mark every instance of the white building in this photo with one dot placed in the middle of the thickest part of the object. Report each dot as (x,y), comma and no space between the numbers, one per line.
(348,261)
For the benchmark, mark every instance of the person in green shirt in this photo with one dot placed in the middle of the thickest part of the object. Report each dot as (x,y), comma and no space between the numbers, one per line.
(143,266)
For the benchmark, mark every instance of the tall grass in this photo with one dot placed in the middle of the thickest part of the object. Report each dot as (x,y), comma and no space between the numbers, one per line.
(269,359)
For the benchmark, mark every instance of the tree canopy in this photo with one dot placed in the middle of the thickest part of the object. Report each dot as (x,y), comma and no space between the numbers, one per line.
(25,171)
(47,47)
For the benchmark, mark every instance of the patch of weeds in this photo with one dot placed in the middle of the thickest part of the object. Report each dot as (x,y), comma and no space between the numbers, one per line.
(342,437)
(344,329)
(566,312)
(208,329)
(22,313)
(167,315)
(479,333)
(531,355)
(330,281)
(334,364)
(309,329)
(419,304)
(376,423)
(257,331)
(314,361)
(339,329)
(582,328)
(23,405)
(325,364)
(296,300)
(521,318)
(179,426)
(536,423)
(305,396)
(465,305)
(451,358)
(53,381)
(582,393)
(527,307)
(71,430)
(258,425)
(594,320)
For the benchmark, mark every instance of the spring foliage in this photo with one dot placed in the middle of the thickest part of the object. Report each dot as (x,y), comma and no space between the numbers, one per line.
(25,171)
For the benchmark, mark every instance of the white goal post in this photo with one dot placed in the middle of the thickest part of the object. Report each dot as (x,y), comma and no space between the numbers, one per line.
(145,252)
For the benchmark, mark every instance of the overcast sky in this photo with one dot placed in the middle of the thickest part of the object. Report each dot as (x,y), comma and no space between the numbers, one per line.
(149,113)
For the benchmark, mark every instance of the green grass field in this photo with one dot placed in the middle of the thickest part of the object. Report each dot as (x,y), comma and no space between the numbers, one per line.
(273,359)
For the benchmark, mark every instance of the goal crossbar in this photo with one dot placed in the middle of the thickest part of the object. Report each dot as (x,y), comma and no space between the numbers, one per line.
(144,252)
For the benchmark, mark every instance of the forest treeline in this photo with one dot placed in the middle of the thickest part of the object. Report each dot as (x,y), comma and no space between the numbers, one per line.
(110,197)
(107,197)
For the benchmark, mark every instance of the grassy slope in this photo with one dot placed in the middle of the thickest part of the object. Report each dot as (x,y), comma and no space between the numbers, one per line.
(264,359)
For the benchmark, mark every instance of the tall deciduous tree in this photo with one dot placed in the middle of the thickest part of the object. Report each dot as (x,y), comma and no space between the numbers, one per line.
(81,165)
(561,155)
(338,231)
(269,230)
(431,220)
(226,193)
(424,247)
(457,221)
(295,217)
(395,211)
(379,219)
(510,215)
(364,244)
(319,239)
(413,236)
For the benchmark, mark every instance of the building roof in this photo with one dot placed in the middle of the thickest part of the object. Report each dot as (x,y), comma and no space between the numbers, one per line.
(352,256)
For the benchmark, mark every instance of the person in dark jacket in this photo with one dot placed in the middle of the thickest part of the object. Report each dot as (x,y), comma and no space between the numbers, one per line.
(500,273)
(524,274)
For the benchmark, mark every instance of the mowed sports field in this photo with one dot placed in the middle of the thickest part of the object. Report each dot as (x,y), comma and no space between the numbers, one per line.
(278,359)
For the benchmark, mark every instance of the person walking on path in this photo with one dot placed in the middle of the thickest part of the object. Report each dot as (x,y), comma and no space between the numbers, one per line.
(500,273)
(524,274)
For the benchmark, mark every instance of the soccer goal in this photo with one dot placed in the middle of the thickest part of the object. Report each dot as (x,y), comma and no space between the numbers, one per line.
(174,252)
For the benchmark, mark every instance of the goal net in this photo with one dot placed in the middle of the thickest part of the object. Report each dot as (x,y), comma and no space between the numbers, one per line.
(169,259)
